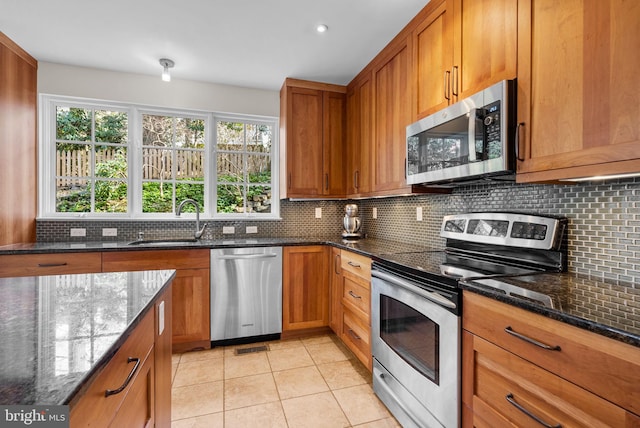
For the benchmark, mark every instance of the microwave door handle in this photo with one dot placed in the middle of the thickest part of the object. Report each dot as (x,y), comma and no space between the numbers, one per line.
(472,135)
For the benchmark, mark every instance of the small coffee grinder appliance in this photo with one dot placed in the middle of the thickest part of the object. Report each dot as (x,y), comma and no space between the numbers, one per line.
(351,223)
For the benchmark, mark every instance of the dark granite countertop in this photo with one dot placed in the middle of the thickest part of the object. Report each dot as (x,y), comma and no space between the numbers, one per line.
(366,247)
(606,307)
(603,306)
(57,331)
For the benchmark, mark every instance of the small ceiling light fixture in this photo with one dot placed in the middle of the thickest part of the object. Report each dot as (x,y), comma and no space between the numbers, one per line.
(321,28)
(166,65)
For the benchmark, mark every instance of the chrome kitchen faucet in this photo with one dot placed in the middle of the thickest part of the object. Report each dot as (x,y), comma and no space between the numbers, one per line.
(198,233)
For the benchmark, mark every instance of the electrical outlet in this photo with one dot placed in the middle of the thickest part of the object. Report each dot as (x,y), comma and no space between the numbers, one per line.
(226,230)
(77,231)
(252,229)
(319,212)
(109,231)
(375,212)
(419,213)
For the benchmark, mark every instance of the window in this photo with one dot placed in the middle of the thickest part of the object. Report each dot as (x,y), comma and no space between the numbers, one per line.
(243,163)
(91,160)
(112,160)
(173,153)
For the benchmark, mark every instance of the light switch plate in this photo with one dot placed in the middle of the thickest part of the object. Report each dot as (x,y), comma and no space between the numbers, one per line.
(319,212)
(252,229)
(419,213)
(77,231)
(375,212)
(228,230)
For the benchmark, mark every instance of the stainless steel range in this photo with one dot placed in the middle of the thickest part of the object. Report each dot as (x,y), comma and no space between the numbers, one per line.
(416,306)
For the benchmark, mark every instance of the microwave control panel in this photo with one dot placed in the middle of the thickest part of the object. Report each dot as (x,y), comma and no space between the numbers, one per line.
(492,122)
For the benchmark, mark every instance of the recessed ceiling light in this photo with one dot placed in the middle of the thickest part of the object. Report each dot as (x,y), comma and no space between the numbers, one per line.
(321,28)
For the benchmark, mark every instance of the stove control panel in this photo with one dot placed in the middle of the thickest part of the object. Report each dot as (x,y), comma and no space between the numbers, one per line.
(510,229)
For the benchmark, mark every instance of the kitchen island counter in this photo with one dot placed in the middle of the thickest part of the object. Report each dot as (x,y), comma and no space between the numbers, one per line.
(59,331)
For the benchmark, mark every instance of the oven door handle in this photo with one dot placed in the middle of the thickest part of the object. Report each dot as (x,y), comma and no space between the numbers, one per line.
(430,295)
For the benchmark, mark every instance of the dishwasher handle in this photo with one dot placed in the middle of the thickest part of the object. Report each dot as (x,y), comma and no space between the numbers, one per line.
(246,256)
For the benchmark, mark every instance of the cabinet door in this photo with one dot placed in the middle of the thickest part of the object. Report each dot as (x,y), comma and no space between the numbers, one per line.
(304,163)
(305,287)
(433,53)
(335,287)
(578,88)
(392,113)
(190,313)
(485,44)
(334,143)
(359,152)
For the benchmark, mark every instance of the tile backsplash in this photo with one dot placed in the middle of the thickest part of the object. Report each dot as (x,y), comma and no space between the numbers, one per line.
(603,236)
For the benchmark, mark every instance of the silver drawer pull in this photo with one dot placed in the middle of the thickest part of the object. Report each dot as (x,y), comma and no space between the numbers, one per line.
(51,264)
(354,335)
(109,392)
(527,339)
(355,296)
(529,413)
(355,265)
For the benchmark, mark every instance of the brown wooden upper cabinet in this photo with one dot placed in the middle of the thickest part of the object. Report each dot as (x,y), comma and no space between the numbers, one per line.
(461,47)
(359,150)
(312,139)
(392,114)
(578,89)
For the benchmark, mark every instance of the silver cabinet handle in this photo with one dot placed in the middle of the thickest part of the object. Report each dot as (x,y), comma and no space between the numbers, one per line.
(355,296)
(354,335)
(528,339)
(512,401)
(109,392)
(355,265)
(454,78)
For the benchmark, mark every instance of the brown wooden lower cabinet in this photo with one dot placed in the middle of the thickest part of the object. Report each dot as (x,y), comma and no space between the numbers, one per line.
(579,379)
(146,400)
(351,302)
(190,315)
(305,289)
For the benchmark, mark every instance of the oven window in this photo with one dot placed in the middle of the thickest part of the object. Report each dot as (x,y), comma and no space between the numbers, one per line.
(413,336)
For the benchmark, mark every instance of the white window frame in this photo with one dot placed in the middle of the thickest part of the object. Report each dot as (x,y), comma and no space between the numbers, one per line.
(47,156)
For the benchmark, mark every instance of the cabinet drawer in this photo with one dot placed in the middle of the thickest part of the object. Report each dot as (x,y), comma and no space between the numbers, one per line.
(357,337)
(507,387)
(49,264)
(357,298)
(577,355)
(155,259)
(356,264)
(93,405)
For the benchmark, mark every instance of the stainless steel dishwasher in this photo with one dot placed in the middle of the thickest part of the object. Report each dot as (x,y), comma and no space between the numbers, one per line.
(246,294)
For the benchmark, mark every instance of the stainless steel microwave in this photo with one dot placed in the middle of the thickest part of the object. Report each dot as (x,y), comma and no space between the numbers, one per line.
(471,139)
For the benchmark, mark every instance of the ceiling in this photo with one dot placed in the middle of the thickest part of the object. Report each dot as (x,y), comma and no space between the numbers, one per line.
(249,43)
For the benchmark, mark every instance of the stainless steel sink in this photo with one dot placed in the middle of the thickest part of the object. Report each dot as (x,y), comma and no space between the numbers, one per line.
(163,242)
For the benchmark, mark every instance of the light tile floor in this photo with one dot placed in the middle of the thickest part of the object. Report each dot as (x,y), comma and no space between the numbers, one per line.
(301,383)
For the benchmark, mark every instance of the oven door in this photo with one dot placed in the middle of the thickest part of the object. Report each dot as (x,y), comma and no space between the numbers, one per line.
(416,351)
